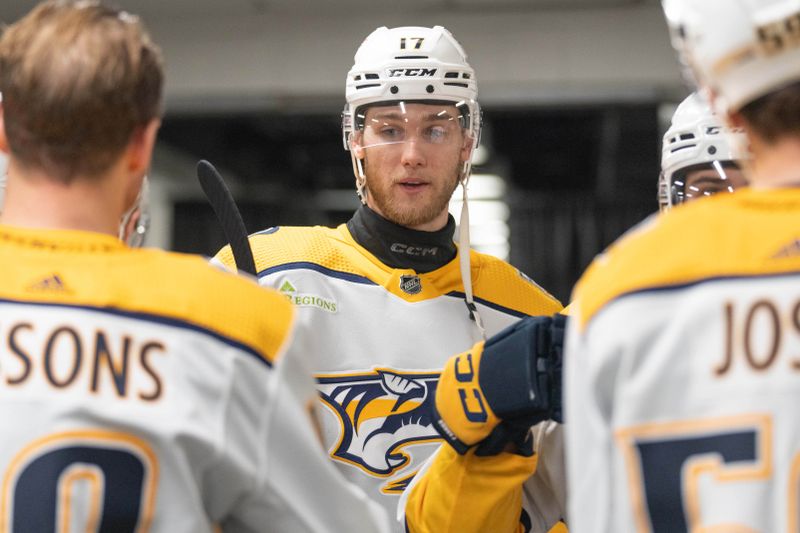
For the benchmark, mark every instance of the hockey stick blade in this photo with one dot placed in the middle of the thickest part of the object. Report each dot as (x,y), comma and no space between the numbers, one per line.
(228,215)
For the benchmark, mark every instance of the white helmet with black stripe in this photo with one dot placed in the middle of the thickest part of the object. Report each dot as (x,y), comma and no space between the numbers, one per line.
(410,64)
(415,65)
(698,140)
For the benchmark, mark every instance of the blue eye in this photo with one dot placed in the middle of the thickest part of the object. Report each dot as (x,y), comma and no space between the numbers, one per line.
(436,134)
(390,133)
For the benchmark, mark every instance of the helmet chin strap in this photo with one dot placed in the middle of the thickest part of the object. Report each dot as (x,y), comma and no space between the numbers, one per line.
(361,178)
(463,253)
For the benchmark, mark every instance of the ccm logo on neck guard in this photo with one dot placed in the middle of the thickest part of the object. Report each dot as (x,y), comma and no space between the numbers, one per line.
(416,251)
(419,72)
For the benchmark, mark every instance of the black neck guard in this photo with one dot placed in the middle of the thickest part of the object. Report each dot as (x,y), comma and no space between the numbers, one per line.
(399,247)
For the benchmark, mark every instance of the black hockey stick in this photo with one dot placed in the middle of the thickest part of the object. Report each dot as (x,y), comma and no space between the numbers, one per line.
(228,215)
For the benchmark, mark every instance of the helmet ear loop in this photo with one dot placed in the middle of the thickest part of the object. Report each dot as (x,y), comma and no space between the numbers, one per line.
(361,180)
(358,171)
(133,234)
(463,245)
(676,194)
(466,167)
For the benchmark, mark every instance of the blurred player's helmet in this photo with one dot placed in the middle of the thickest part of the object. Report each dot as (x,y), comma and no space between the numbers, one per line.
(698,140)
(738,49)
(405,65)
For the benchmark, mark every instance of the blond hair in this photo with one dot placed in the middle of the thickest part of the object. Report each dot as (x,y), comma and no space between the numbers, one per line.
(77,79)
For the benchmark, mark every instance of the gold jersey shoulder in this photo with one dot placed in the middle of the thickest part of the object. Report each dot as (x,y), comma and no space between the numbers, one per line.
(748,233)
(499,282)
(282,246)
(84,269)
(494,281)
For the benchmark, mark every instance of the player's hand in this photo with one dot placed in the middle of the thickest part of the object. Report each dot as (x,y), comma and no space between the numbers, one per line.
(492,394)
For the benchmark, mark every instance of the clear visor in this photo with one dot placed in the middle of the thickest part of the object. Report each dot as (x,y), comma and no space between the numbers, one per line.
(427,123)
(705,179)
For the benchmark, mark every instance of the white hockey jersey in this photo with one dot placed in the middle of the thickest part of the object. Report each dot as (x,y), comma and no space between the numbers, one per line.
(682,373)
(381,337)
(130,401)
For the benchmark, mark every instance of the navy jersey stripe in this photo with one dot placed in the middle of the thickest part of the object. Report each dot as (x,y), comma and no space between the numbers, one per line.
(147,317)
(680,286)
(267,231)
(375,376)
(305,265)
(492,305)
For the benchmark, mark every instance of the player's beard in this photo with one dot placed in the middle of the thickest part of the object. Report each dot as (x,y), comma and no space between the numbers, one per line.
(418,213)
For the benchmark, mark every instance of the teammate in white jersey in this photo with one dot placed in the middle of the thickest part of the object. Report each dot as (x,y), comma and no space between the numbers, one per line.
(129,401)
(681,372)
(385,293)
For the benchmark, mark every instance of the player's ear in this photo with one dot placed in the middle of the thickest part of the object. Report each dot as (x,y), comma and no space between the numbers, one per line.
(735,120)
(3,138)
(356,146)
(140,147)
(467,147)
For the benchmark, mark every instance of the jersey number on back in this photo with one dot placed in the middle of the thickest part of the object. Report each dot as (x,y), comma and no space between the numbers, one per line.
(93,480)
(667,462)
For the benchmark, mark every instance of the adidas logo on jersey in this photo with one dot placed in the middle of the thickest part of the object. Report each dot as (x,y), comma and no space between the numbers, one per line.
(299,299)
(790,250)
(52,283)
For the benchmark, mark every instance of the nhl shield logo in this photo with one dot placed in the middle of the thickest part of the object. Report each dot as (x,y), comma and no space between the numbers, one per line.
(410,284)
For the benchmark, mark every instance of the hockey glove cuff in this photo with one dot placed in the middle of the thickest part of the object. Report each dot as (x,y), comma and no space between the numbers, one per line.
(515,376)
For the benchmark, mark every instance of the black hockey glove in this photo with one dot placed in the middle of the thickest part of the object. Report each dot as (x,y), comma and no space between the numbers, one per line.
(496,391)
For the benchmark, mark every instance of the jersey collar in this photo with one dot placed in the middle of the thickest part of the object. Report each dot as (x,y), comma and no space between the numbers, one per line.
(399,247)
(60,239)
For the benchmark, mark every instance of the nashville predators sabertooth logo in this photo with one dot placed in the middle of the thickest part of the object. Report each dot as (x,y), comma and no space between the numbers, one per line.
(381,412)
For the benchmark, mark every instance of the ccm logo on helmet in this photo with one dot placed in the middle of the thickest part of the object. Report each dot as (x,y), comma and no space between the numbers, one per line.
(716,130)
(419,72)
(418,251)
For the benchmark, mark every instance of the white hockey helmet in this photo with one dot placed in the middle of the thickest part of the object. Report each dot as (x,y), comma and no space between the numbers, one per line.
(697,138)
(410,64)
(740,50)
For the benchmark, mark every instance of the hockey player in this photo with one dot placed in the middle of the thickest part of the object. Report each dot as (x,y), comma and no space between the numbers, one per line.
(128,400)
(680,366)
(700,155)
(386,292)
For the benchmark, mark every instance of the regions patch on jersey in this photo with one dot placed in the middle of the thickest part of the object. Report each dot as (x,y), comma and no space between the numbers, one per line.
(381,412)
(302,299)
(791,249)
